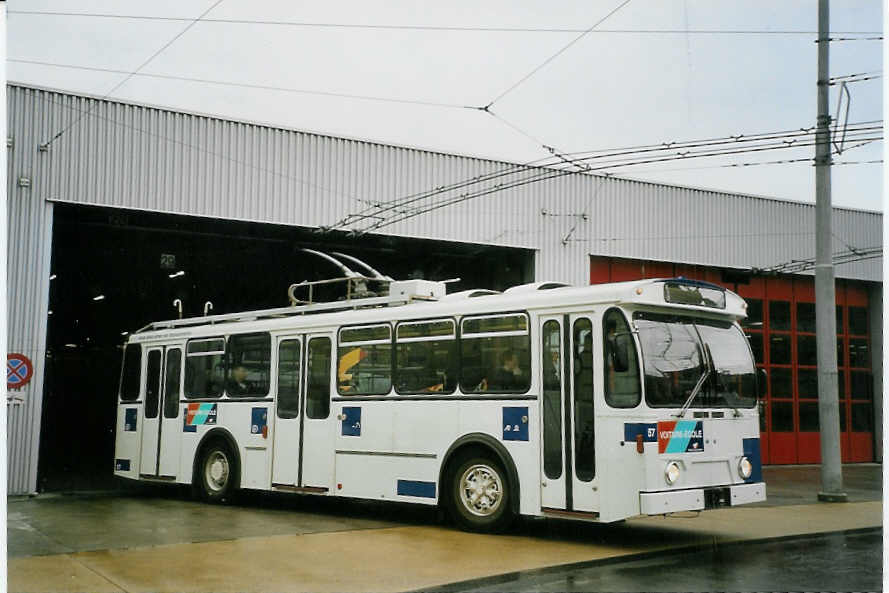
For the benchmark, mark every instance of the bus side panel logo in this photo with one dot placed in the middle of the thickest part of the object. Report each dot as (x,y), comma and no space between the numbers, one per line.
(351,423)
(680,436)
(515,424)
(197,415)
(259,418)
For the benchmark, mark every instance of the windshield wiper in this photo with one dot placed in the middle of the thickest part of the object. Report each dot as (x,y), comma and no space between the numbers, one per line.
(704,376)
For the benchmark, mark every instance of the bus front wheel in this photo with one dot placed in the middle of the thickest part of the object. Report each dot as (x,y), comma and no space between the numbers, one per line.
(479,496)
(217,472)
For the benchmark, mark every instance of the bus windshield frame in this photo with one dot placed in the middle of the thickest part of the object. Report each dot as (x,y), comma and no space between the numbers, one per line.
(674,360)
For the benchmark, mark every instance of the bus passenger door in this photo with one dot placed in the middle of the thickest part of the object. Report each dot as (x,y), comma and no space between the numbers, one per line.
(304,438)
(552,413)
(151,407)
(288,412)
(583,491)
(317,448)
(171,420)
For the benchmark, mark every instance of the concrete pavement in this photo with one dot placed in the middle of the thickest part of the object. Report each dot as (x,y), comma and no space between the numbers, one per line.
(838,561)
(303,544)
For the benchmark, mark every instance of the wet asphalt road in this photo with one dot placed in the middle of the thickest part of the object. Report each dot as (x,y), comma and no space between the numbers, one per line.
(850,561)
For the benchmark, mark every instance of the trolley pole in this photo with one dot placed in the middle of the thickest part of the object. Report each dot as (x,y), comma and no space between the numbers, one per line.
(825,295)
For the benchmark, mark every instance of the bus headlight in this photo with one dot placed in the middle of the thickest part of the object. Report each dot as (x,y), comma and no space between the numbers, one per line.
(745,468)
(671,473)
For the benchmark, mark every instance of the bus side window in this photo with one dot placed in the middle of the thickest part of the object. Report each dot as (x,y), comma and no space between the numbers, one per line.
(131,373)
(318,378)
(364,358)
(621,367)
(551,356)
(204,368)
(152,383)
(248,365)
(426,357)
(584,418)
(288,379)
(496,354)
(171,382)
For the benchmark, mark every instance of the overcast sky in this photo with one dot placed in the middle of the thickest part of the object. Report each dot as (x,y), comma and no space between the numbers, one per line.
(608,90)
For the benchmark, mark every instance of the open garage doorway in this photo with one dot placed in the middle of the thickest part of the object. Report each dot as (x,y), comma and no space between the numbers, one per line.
(114,271)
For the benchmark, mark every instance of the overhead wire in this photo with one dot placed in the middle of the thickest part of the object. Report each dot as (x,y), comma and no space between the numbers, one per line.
(456,28)
(487,108)
(850,80)
(383,207)
(795,266)
(552,57)
(777,162)
(132,73)
(245,85)
(855,75)
(404,214)
(732,139)
(792,140)
(752,164)
(545,174)
(832,39)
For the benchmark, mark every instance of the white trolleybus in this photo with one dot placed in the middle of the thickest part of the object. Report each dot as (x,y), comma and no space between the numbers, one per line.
(595,403)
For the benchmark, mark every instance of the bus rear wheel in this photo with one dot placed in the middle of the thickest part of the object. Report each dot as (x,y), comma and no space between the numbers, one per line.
(217,472)
(479,497)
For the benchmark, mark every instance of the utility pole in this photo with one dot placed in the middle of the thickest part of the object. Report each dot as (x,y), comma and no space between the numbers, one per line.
(825,293)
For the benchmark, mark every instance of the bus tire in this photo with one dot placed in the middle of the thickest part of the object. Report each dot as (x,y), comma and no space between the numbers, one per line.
(479,495)
(217,472)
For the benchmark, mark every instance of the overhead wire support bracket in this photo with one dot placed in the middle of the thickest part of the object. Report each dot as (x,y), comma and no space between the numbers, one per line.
(844,90)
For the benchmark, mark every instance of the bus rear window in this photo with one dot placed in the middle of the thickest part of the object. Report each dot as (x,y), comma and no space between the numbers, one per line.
(204,368)
(132,370)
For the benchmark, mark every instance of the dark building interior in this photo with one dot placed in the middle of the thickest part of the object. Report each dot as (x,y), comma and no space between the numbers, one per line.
(114,271)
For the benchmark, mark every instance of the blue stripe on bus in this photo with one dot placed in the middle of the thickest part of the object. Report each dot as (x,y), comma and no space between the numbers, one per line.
(415,488)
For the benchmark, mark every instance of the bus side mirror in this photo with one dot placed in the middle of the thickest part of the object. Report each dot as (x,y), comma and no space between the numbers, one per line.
(761,383)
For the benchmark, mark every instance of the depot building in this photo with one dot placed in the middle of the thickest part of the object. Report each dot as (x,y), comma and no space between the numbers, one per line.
(135,213)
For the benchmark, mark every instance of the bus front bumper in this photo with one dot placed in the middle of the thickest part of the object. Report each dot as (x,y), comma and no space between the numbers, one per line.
(697,499)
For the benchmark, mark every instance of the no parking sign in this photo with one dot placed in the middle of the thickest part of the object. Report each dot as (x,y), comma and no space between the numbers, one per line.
(18,370)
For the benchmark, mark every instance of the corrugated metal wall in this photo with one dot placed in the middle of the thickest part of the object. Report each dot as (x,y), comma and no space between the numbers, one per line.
(131,156)
(27,274)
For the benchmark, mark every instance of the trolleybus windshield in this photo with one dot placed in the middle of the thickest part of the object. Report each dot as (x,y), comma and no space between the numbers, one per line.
(674,360)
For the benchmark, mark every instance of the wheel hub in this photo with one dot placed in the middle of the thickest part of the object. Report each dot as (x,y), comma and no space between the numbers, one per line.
(481,490)
(216,471)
